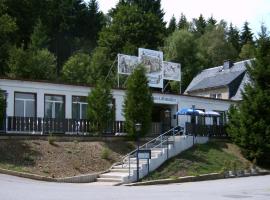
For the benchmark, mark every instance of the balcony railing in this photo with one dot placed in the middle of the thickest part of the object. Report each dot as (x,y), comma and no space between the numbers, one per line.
(206,130)
(39,125)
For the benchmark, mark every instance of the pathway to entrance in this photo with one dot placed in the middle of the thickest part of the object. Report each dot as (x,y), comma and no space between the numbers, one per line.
(258,188)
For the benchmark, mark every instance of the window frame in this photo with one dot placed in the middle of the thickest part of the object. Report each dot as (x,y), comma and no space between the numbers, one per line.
(64,104)
(80,103)
(35,105)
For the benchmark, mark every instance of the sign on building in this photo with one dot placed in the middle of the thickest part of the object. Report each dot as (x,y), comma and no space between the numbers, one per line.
(152,61)
(156,69)
(172,71)
(126,63)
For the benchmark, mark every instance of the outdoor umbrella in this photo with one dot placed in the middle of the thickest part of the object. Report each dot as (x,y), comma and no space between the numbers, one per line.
(189,111)
(211,114)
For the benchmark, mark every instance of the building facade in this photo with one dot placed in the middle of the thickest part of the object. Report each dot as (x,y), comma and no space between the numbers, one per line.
(222,82)
(45,104)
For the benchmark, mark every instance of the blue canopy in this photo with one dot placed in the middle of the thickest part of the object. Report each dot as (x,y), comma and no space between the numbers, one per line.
(189,111)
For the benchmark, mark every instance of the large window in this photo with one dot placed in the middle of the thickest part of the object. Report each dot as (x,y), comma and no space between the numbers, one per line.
(25,104)
(54,106)
(79,107)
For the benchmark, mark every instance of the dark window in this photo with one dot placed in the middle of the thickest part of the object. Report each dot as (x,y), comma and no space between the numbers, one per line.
(54,106)
(25,104)
(79,107)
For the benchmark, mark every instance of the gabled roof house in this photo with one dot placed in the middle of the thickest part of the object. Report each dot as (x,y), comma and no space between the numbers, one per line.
(222,82)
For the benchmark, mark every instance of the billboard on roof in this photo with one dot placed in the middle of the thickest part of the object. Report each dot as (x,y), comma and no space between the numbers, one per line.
(153,63)
(171,71)
(126,64)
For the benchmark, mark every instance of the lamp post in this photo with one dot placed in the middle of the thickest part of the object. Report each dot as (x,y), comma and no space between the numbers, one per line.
(77,114)
(111,117)
(193,124)
(167,114)
(138,127)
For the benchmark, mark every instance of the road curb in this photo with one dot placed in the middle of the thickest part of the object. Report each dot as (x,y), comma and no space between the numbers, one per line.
(86,178)
(203,177)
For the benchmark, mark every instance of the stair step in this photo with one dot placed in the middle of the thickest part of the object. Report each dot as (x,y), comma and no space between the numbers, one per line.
(119,170)
(109,180)
(115,175)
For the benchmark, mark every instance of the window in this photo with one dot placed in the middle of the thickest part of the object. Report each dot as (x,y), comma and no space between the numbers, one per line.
(79,107)
(54,106)
(216,96)
(25,104)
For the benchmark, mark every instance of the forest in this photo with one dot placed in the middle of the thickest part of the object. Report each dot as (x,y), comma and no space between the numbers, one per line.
(73,41)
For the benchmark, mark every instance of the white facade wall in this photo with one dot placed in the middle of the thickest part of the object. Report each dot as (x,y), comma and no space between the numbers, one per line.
(175,102)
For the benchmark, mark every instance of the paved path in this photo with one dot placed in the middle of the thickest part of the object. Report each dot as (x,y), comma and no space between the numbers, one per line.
(14,188)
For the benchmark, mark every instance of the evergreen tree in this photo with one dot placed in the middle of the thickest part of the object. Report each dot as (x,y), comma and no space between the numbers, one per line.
(39,38)
(211,21)
(249,124)
(199,26)
(183,23)
(234,38)
(7,30)
(99,111)
(138,103)
(172,25)
(130,29)
(246,35)
(75,70)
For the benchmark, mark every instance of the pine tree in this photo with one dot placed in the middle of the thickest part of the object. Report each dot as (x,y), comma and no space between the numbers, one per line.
(199,25)
(138,102)
(249,124)
(183,23)
(99,111)
(172,25)
(39,38)
(234,38)
(246,35)
(211,21)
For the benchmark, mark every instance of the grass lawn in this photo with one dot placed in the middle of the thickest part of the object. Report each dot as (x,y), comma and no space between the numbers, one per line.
(201,159)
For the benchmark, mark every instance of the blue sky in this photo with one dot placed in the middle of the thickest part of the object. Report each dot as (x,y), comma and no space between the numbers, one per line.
(235,11)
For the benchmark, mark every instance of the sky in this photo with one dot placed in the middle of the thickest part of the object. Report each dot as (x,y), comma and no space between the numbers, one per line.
(233,11)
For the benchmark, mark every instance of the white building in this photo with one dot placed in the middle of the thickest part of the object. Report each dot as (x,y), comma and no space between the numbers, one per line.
(31,102)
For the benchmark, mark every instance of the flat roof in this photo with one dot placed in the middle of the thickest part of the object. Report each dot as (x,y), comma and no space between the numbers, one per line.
(121,89)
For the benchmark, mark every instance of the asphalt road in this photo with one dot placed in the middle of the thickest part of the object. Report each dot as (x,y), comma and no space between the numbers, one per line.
(14,188)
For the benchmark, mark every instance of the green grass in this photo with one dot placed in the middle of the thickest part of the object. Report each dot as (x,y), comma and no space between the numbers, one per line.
(12,167)
(201,159)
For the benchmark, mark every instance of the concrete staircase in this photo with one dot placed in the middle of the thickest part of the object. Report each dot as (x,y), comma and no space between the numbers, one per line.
(162,148)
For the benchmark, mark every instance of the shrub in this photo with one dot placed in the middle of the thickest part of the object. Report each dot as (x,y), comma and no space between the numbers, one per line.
(105,153)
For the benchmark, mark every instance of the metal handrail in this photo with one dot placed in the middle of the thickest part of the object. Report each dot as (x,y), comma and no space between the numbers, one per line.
(127,157)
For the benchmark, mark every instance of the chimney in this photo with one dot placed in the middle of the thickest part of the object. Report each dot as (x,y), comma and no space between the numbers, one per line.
(227,64)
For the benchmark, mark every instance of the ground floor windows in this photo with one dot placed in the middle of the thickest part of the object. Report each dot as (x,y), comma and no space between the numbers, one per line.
(79,107)
(25,104)
(54,106)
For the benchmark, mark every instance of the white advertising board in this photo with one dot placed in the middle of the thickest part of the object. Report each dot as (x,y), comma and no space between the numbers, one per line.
(126,63)
(171,71)
(153,62)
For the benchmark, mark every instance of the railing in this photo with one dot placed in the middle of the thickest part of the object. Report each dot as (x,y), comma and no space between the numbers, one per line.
(206,130)
(158,142)
(38,125)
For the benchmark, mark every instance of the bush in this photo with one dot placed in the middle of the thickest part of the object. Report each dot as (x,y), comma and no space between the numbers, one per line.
(105,153)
